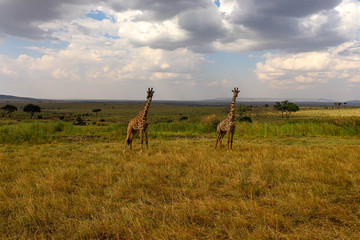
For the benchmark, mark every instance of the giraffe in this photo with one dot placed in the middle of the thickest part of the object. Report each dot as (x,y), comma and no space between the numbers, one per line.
(139,124)
(228,124)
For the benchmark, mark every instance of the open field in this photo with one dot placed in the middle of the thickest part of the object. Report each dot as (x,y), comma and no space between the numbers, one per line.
(296,179)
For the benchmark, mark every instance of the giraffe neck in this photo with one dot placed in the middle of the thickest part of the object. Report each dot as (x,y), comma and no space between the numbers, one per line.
(231,115)
(145,110)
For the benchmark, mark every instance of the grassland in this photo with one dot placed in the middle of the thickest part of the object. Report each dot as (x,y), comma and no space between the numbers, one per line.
(296,179)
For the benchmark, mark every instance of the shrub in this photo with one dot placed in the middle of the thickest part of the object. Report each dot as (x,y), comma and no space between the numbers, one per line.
(246,119)
(79,121)
(242,109)
(210,122)
(183,118)
(59,127)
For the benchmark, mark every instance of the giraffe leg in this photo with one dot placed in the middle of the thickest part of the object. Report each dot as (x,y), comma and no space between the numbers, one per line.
(141,138)
(131,138)
(146,139)
(127,140)
(231,139)
(217,139)
(221,138)
(228,140)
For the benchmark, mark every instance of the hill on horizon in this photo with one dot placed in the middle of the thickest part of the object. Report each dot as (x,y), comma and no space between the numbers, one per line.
(254,101)
(15,99)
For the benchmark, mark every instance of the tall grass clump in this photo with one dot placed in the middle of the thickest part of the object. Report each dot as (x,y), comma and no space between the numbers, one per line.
(24,132)
(36,132)
(118,130)
(210,122)
(297,129)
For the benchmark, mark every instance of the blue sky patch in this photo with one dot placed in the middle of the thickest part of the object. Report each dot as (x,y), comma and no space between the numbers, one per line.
(110,36)
(98,15)
(217,3)
(14,47)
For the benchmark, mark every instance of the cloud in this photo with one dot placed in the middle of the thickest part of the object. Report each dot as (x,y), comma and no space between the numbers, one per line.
(288,25)
(237,25)
(223,83)
(157,10)
(103,63)
(166,40)
(355,79)
(304,70)
(23,18)
(213,84)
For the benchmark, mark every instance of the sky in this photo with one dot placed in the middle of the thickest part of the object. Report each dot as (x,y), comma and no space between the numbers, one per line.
(184,49)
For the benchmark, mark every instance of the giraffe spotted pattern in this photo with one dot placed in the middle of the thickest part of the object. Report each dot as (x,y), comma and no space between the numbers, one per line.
(227,126)
(139,124)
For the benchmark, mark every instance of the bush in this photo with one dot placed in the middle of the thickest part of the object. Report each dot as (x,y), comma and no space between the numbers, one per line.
(183,118)
(210,122)
(79,121)
(59,127)
(246,119)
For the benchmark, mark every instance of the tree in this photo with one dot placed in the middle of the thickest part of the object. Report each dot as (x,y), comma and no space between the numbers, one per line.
(280,107)
(7,109)
(286,108)
(290,108)
(242,109)
(96,111)
(32,109)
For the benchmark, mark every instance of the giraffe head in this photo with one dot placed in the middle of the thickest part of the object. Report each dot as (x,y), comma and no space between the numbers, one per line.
(236,91)
(150,93)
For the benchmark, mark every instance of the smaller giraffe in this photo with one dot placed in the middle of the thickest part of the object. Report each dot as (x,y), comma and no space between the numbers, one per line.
(139,124)
(228,124)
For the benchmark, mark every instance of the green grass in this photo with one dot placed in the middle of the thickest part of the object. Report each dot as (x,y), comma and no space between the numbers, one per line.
(296,179)
(46,131)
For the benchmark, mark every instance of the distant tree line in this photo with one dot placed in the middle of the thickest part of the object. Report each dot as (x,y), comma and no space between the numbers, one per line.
(338,104)
(29,108)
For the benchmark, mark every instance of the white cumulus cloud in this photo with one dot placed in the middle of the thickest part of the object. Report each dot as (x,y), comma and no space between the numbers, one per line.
(303,70)
(311,41)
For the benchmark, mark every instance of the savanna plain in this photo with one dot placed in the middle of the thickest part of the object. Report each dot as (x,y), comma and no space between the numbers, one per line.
(284,179)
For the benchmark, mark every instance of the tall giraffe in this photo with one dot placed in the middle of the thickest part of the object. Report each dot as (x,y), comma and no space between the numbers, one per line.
(228,124)
(139,124)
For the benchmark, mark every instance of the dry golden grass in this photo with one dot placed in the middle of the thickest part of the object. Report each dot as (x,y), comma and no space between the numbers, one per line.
(293,188)
(328,112)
